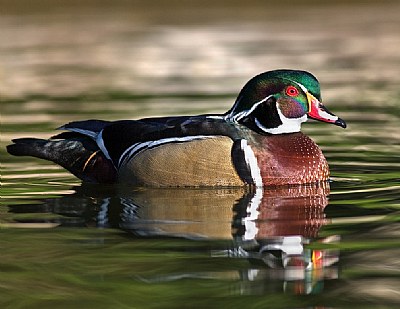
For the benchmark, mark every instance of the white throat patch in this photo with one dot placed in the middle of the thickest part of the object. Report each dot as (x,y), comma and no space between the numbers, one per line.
(289,125)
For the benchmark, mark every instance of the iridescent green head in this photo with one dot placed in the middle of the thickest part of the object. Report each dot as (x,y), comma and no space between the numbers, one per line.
(279,101)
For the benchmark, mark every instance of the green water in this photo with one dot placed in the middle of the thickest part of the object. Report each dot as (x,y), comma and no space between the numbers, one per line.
(68,245)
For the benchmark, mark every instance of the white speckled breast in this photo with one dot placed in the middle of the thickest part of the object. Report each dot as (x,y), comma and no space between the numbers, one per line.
(290,159)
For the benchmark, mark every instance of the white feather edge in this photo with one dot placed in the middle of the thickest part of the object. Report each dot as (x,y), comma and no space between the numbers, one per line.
(100,142)
(151,144)
(89,133)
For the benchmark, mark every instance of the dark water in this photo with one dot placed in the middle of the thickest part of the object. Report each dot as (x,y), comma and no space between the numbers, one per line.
(67,245)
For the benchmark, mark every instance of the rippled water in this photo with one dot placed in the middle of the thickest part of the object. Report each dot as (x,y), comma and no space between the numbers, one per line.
(64,244)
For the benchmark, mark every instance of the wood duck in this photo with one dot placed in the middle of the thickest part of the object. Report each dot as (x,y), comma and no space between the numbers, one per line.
(257,142)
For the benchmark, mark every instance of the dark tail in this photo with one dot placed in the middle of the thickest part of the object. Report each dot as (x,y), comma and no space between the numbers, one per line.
(79,154)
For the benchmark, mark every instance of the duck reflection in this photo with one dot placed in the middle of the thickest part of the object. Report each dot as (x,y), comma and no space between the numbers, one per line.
(275,229)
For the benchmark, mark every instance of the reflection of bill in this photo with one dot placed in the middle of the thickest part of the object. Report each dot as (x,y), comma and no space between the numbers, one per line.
(301,270)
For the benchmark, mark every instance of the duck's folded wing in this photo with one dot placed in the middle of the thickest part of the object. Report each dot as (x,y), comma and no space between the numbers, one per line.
(123,138)
(120,138)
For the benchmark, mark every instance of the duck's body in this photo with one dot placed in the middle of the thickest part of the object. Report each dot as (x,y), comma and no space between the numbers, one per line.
(256,143)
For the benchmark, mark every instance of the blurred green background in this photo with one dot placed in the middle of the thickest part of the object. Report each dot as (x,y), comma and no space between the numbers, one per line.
(69,60)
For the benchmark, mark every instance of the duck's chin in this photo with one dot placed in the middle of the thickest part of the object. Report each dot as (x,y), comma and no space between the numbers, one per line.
(289,125)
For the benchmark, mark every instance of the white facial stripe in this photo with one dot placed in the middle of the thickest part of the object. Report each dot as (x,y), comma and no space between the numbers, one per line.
(302,87)
(245,113)
(252,163)
(289,125)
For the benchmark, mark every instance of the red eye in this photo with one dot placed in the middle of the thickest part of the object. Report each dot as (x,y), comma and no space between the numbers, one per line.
(292,91)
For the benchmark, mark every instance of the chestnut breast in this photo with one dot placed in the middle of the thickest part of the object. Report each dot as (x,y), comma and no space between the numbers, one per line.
(290,159)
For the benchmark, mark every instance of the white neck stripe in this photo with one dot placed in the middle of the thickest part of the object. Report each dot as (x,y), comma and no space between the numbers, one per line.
(252,163)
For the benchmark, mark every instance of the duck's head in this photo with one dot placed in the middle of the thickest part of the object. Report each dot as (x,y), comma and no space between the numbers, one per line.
(279,101)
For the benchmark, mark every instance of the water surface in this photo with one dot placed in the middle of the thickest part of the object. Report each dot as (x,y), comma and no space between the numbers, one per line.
(65,244)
